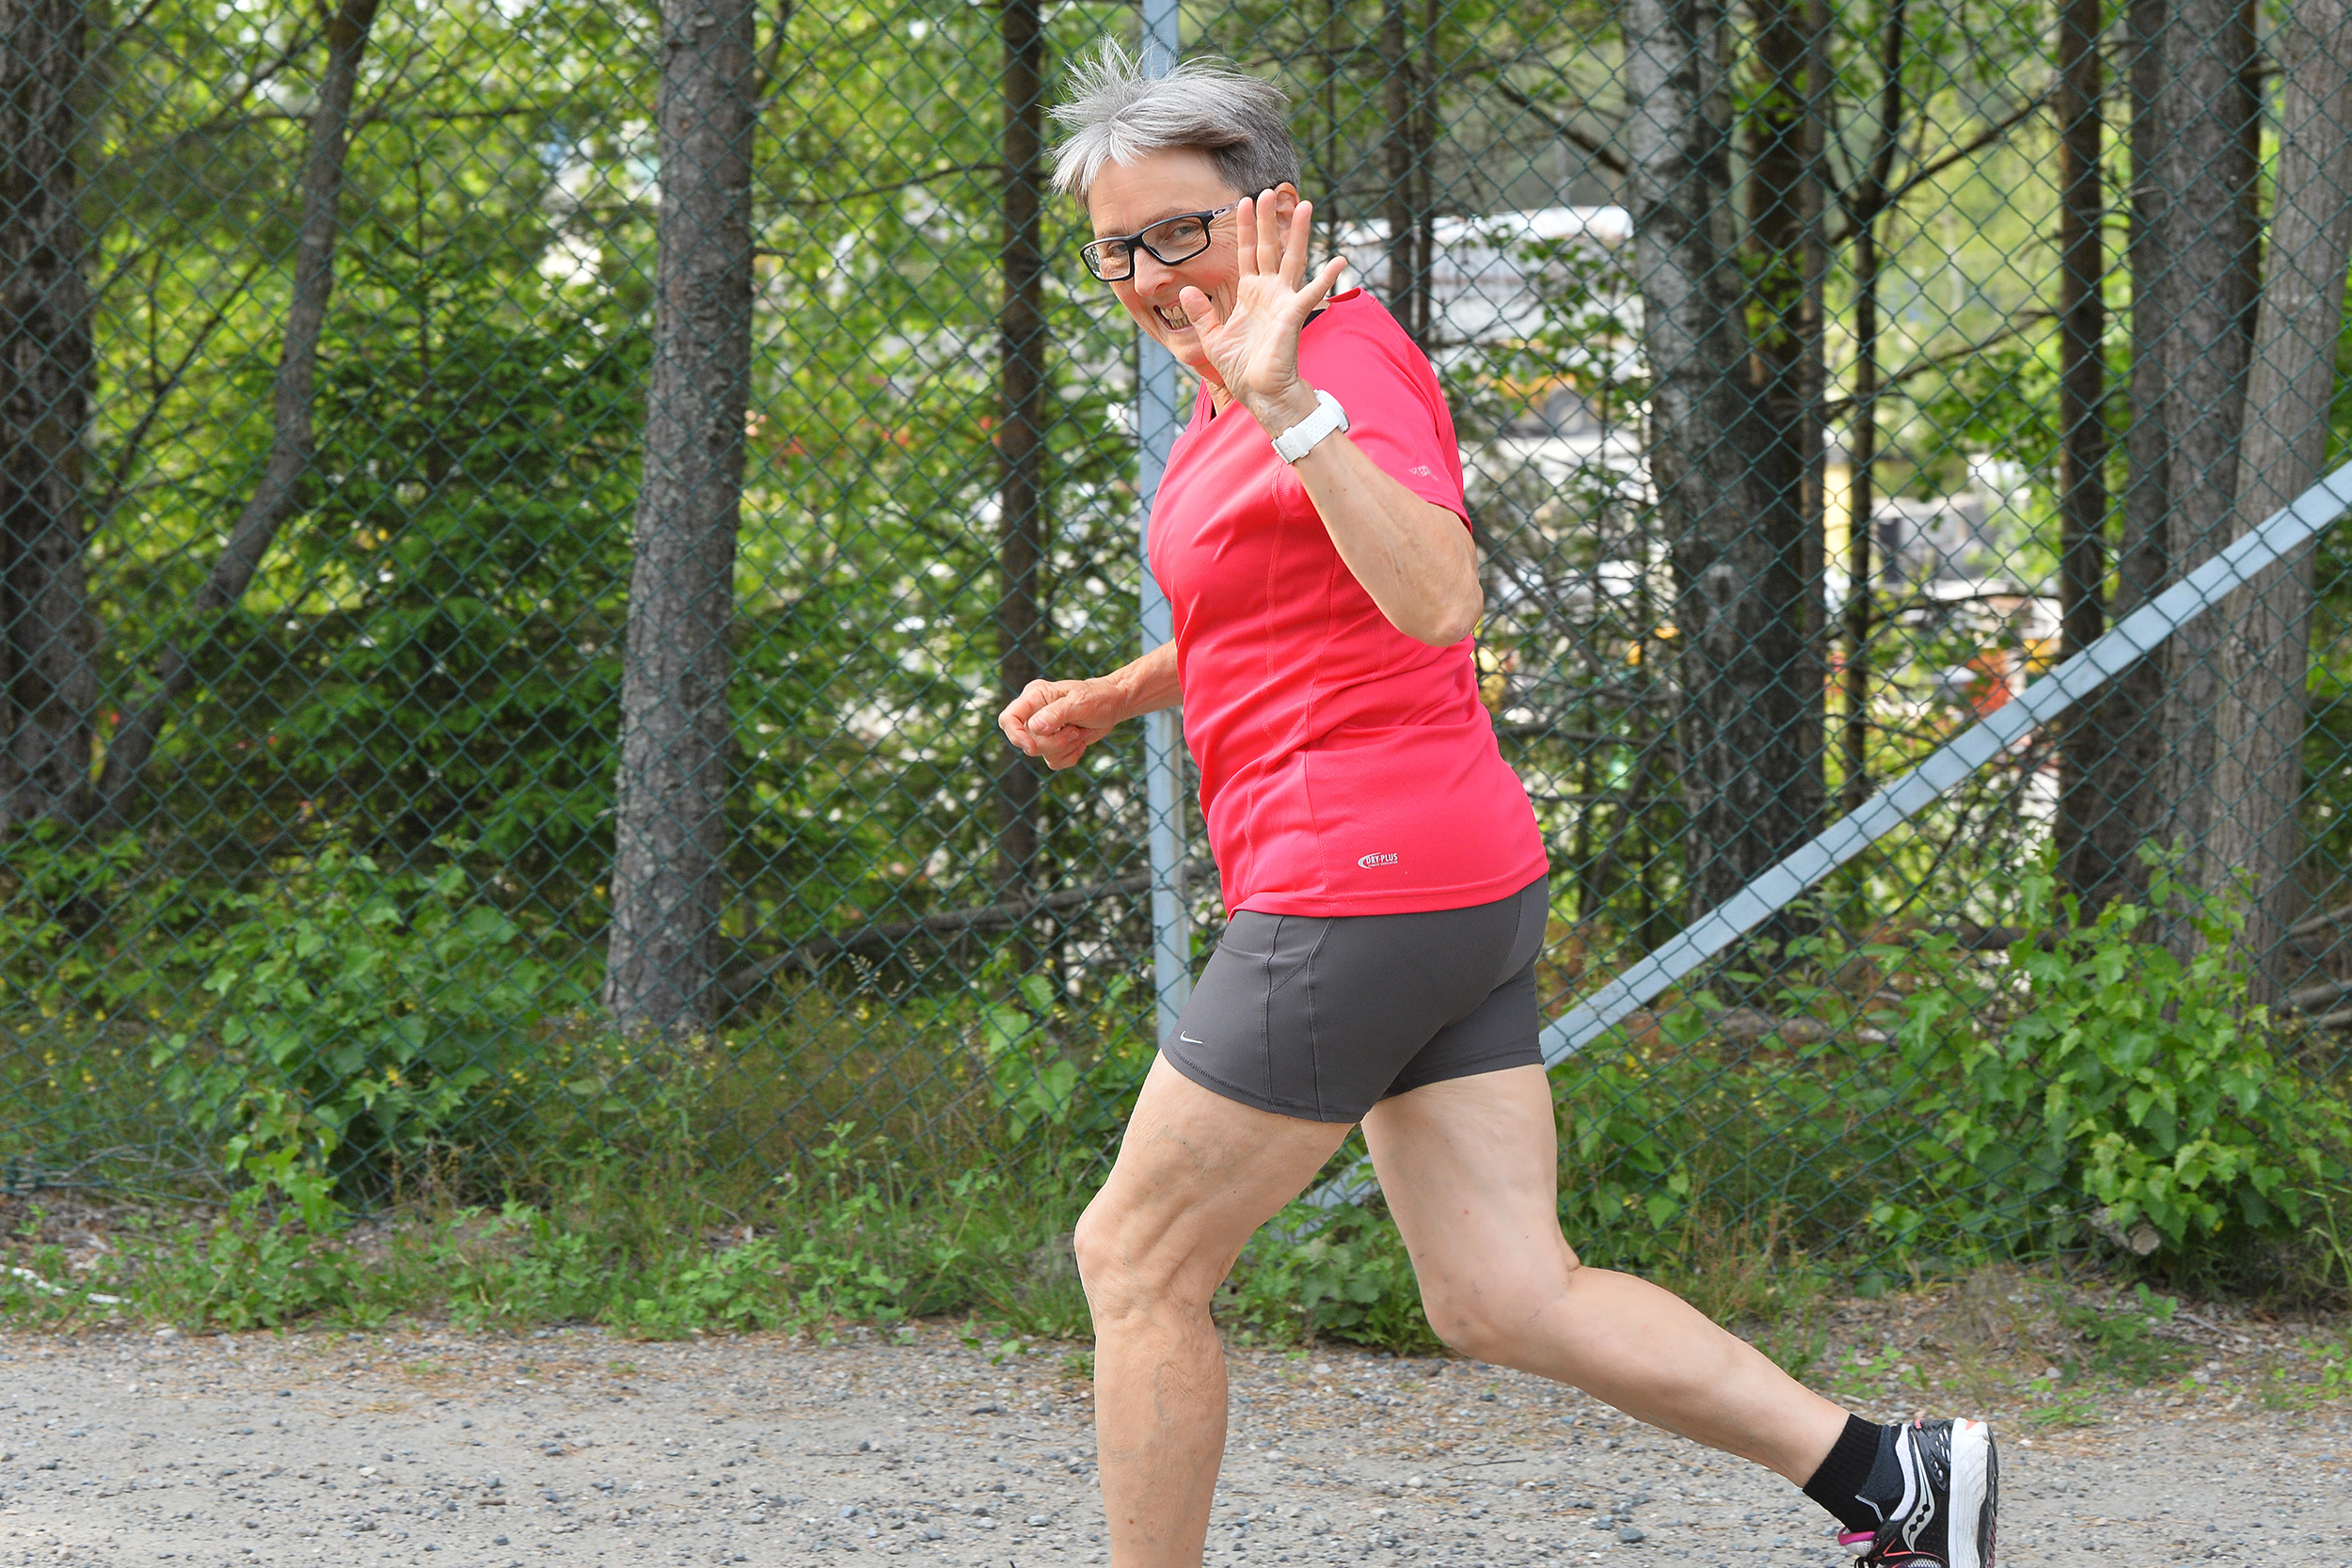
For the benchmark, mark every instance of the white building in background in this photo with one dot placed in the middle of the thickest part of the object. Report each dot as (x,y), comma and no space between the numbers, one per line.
(1487,275)
(1497,282)
(1500,280)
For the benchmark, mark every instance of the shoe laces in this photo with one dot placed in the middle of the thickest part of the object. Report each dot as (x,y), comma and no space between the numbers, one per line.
(1868,1553)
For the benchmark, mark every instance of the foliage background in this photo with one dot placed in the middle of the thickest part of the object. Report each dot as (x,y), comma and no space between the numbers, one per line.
(348,951)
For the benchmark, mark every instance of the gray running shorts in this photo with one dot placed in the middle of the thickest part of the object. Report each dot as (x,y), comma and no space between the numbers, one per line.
(1319,1017)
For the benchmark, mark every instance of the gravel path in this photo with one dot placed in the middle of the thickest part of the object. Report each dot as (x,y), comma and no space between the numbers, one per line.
(575,1447)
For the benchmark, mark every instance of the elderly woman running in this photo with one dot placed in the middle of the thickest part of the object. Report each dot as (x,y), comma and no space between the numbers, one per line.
(1381,860)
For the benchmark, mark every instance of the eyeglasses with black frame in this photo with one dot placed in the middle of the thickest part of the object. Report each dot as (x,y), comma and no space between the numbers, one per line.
(1112,258)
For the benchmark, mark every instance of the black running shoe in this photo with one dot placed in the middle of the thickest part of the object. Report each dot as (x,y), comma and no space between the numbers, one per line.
(1951,1491)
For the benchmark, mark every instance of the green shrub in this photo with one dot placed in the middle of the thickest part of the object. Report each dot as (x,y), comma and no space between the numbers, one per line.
(79,924)
(358,1015)
(1042,1076)
(2099,1078)
(1329,1274)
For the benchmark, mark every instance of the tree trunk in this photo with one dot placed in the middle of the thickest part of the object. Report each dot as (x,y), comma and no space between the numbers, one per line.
(1022,522)
(2262,631)
(661,962)
(2147,740)
(48,683)
(1784,229)
(2205,219)
(286,473)
(1868,204)
(1407,136)
(2119,731)
(2088,841)
(1740,612)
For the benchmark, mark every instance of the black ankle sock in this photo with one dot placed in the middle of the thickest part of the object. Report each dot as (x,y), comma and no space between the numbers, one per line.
(1861,1479)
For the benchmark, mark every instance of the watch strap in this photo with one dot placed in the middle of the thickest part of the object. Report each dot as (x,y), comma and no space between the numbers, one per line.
(1300,438)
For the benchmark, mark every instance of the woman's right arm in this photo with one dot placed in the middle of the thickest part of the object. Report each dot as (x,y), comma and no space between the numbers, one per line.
(1059,719)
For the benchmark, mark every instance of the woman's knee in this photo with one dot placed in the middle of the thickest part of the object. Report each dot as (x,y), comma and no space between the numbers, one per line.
(1133,1262)
(1468,1329)
(1506,1321)
(1123,1262)
(1095,1244)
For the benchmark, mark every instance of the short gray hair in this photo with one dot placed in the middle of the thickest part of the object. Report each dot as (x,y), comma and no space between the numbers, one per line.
(1116,114)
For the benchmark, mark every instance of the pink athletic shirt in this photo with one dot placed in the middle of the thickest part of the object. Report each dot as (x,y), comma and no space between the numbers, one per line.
(1345,768)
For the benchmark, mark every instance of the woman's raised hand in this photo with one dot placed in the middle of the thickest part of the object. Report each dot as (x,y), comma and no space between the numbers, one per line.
(1254,349)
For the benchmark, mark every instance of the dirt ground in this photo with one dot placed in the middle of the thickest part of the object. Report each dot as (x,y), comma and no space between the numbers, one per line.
(938,1446)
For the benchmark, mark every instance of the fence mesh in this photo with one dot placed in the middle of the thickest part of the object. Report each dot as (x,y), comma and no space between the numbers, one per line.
(425,749)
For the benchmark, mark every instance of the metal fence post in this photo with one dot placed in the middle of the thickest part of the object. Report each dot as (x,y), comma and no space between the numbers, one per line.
(1158,423)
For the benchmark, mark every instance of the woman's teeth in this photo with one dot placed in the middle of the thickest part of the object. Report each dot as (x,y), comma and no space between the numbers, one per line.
(1175,321)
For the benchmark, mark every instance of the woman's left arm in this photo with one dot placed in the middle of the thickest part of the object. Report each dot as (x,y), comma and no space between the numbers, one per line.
(1412,555)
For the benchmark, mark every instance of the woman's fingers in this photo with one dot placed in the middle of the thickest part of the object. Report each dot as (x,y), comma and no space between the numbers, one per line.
(1200,307)
(1297,240)
(1061,756)
(1063,712)
(1326,277)
(1015,719)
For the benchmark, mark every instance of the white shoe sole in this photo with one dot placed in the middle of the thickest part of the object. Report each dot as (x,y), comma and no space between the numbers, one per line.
(1976,1481)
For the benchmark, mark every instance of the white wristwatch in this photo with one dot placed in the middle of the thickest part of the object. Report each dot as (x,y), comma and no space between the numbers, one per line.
(1300,438)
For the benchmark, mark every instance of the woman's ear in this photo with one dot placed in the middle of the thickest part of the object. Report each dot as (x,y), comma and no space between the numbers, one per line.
(1286,201)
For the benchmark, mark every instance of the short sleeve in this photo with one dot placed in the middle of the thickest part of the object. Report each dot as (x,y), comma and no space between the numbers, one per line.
(1396,414)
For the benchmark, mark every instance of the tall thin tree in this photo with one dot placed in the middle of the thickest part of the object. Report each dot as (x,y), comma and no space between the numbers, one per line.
(2209,108)
(285,483)
(1022,522)
(1739,614)
(2148,750)
(1784,369)
(2094,831)
(48,685)
(2265,629)
(2118,735)
(670,819)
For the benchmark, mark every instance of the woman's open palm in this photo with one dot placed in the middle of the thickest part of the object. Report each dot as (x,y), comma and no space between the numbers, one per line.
(1254,349)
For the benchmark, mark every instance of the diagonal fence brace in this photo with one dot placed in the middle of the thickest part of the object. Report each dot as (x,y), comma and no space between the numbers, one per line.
(1773,889)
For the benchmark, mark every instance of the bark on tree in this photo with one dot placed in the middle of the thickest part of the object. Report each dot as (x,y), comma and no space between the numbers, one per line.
(1785,373)
(661,961)
(286,473)
(1022,520)
(2120,729)
(2209,106)
(1407,98)
(1740,613)
(2089,839)
(1866,204)
(2262,633)
(48,683)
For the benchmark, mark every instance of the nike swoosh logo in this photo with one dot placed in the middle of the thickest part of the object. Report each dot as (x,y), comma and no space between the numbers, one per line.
(1188,1039)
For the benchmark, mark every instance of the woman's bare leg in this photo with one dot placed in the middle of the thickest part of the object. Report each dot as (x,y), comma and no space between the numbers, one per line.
(1469,1168)
(1196,1175)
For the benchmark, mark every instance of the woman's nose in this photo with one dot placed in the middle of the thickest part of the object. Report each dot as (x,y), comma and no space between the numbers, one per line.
(1151,271)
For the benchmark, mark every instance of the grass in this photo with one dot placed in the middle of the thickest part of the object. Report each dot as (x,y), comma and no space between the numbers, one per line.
(652,1244)
(850,1158)
(637,1251)
(2129,1346)
(644,1248)
(2075,1408)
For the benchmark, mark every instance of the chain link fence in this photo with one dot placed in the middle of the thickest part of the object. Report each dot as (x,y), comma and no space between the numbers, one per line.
(519,519)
